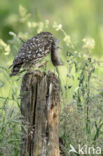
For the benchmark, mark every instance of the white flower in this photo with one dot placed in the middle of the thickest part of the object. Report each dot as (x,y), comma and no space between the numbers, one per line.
(46,23)
(24,15)
(2,43)
(32,24)
(12,33)
(22,10)
(67,40)
(57,26)
(23,35)
(40,27)
(89,43)
(4,47)
(29,24)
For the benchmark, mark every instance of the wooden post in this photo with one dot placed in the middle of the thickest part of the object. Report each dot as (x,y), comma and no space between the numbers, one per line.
(40,107)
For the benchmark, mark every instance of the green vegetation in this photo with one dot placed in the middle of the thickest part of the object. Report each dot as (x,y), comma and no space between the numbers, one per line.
(79,26)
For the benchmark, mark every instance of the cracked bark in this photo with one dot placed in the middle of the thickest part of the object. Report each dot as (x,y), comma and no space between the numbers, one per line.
(40,107)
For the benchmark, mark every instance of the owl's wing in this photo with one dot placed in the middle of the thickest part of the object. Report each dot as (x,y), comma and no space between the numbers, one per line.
(32,50)
(25,54)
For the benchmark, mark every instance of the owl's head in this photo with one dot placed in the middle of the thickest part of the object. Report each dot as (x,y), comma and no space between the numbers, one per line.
(48,36)
(45,35)
(55,58)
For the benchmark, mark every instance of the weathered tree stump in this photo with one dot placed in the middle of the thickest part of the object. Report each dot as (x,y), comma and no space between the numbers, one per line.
(40,107)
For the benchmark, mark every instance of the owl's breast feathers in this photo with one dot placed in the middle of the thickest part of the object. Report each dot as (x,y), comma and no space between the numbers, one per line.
(34,50)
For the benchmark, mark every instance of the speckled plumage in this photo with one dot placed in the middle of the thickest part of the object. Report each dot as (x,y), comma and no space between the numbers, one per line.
(34,50)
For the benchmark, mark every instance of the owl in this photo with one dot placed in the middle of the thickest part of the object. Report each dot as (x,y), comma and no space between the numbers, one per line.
(34,50)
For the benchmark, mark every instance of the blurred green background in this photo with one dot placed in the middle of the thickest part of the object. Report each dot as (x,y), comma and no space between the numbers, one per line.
(79,18)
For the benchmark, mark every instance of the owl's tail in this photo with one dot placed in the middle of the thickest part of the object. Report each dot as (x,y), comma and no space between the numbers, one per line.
(15,69)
